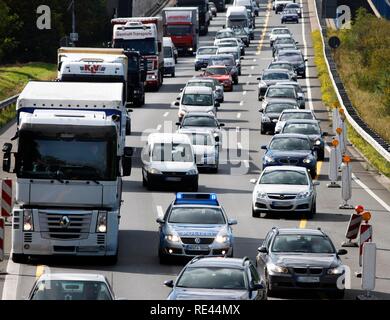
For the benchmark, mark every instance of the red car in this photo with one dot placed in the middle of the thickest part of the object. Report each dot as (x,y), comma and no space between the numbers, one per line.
(222,74)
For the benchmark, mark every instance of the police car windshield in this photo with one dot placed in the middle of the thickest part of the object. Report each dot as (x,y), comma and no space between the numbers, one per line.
(196,215)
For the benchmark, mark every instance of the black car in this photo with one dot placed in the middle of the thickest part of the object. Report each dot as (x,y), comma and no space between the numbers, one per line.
(270,77)
(301,259)
(289,15)
(284,65)
(270,114)
(310,128)
(295,57)
(296,7)
(210,278)
(282,42)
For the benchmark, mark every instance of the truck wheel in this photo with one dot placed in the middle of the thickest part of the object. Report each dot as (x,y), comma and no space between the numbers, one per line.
(255,214)
(19,258)
(164,259)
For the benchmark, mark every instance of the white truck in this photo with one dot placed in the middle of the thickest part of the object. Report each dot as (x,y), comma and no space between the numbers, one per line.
(69,164)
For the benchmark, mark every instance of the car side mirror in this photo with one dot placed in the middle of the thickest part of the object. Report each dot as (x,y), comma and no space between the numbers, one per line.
(216,138)
(181,89)
(262,250)
(261,110)
(129,110)
(178,123)
(342,252)
(305,60)
(169,283)
(177,103)
(178,98)
(296,42)
(259,78)
(232,222)
(257,286)
(316,183)
(7,148)
(127,161)
(160,220)
(217,104)
(264,147)
(241,58)
(221,124)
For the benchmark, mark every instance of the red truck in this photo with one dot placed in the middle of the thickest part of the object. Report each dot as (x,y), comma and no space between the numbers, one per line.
(182,25)
(143,34)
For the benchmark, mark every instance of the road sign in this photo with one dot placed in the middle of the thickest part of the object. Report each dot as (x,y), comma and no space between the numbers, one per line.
(334,42)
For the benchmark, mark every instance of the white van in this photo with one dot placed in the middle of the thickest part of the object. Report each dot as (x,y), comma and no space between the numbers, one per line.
(169,159)
(169,56)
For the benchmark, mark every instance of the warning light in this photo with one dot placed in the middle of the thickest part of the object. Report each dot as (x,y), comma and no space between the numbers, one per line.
(346,159)
(359,208)
(339,130)
(335,142)
(341,111)
(366,216)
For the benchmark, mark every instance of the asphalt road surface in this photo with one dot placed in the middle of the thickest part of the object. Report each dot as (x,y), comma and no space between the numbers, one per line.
(138,274)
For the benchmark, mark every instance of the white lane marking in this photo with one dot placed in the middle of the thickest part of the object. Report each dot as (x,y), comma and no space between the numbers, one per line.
(241,103)
(371,193)
(158,127)
(367,189)
(239,115)
(160,212)
(254,60)
(165,114)
(11,281)
(247,83)
(308,88)
(244,93)
(239,145)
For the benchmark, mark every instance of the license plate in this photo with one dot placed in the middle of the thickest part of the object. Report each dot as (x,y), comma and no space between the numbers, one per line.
(308,279)
(172,179)
(197,247)
(281,203)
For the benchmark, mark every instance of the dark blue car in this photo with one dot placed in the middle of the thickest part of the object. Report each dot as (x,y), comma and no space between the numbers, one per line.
(291,149)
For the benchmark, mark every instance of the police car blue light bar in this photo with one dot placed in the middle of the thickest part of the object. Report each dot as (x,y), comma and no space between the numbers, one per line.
(196,198)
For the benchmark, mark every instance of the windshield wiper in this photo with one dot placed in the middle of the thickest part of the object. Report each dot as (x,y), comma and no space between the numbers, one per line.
(55,176)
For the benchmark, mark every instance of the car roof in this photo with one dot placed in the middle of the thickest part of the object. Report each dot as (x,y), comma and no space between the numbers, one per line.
(281,61)
(225,30)
(278,28)
(290,51)
(280,86)
(289,83)
(222,55)
(298,110)
(285,168)
(300,231)
(72,277)
(227,39)
(198,89)
(200,79)
(308,121)
(290,135)
(216,66)
(226,49)
(168,138)
(236,263)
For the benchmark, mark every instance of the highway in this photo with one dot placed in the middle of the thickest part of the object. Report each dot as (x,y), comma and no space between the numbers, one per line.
(138,274)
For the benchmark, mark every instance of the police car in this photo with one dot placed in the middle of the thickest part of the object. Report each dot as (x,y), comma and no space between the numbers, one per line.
(195,224)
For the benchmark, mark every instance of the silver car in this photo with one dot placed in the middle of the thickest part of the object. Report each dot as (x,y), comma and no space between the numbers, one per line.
(293,114)
(207,82)
(284,189)
(71,286)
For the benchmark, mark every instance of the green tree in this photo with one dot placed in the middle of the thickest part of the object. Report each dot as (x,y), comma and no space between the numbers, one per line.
(9,24)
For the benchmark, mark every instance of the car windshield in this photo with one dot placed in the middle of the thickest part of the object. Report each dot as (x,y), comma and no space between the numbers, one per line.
(168,52)
(216,71)
(199,121)
(289,144)
(292,5)
(302,128)
(178,30)
(275,76)
(198,139)
(281,93)
(280,31)
(196,215)
(224,34)
(302,243)
(289,11)
(284,177)
(208,84)
(284,41)
(172,152)
(70,290)
(197,99)
(221,61)
(227,45)
(203,51)
(278,107)
(281,66)
(297,115)
(212,278)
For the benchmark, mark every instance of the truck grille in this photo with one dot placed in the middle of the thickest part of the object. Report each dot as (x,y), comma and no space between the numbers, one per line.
(77,226)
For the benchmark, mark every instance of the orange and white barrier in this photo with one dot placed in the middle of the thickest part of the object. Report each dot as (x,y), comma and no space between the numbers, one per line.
(365,234)
(6,198)
(353,227)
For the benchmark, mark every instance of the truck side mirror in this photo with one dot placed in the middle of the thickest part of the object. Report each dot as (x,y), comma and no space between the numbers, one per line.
(7,147)
(127,161)
(159,46)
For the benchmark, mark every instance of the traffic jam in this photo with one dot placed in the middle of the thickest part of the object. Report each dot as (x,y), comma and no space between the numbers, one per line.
(72,162)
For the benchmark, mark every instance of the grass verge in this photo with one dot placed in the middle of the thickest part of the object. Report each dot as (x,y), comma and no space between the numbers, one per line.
(330,100)
(14,78)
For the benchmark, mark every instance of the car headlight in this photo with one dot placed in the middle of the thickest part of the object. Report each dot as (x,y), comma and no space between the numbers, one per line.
(28,224)
(277,269)
(181,113)
(269,159)
(337,270)
(318,142)
(101,225)
(265,119)
(307,160)
(302,195)
(261,195)
(192,172)
(173,237)
(153,77)
(153,171)
(222,238)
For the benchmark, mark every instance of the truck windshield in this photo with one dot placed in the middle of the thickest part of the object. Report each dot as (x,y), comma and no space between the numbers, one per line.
(240,22)
(178,30)
(144,46)
(73,157)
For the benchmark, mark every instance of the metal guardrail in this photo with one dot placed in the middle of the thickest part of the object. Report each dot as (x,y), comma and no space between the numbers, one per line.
(367,133)
(8,102)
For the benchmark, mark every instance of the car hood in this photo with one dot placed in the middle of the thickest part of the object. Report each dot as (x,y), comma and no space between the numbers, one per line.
(207,294)
(271,82)
(286,100)
(291,154)
(173,166)
(220,77)
(190,108)
(191,230)
(303,260)
(281,188)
